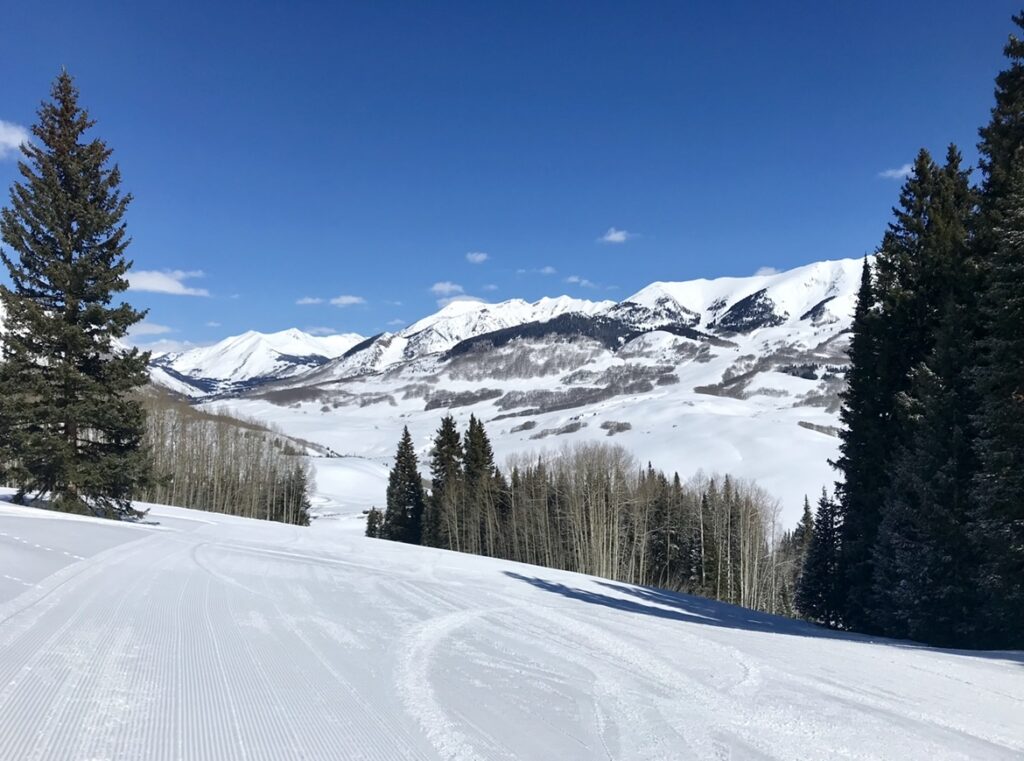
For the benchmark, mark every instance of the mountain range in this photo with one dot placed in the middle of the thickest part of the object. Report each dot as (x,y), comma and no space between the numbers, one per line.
(739,375)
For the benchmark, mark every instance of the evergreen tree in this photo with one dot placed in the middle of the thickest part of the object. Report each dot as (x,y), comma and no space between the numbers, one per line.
(403,517)
(924,567)
(1001,138)
(861,458)
(441,513)
(999,529)
(374,523)
(804,531)
(71,427)
(818,593)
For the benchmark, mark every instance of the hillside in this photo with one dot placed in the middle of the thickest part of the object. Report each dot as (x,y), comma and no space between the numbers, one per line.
(737,375)
(237,639)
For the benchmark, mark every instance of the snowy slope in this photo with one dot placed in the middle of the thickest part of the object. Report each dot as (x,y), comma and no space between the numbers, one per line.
(241,361)
(212,638)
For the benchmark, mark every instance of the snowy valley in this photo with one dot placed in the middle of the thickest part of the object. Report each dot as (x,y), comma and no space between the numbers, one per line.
(731,375)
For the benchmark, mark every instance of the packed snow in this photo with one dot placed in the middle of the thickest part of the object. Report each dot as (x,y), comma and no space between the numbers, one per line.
(212,638)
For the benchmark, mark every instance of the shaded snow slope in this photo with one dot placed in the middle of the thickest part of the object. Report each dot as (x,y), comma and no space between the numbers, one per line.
(215,638)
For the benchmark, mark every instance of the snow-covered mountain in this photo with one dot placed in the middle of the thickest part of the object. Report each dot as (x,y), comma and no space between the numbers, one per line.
(246,361)
(738,375)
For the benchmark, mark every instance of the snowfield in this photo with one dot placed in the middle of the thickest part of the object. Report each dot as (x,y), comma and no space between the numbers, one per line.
(206,637)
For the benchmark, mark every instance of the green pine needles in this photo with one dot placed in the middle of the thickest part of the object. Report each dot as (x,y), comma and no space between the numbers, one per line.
(70,427)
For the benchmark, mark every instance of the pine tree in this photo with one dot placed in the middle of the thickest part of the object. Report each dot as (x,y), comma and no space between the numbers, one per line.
(818,593)
(861,458)
(804,530)
(999,528)
(1001,138)
(479,479)
(374,523)
(71,427)
(441,519)
(403,517)
(924,567)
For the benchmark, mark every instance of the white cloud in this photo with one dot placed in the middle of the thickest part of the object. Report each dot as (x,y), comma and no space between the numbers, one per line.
(213,324)
(168,281)
(580,281)
(145,328)
(766,271)
(318,330)
(490,287)
(446,288)
(168,346)
(615,235)
(547,270)
(396,322)
(11,137)
(477,257)
(307,300)
(897,174)
(346,300)
(460,297)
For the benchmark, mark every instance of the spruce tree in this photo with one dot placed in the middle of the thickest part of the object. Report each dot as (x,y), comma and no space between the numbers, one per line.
(861,458)
(999,527)
(924,567)
(1001,137)
(71,427)
(403,517)
(818,592)
(441,512)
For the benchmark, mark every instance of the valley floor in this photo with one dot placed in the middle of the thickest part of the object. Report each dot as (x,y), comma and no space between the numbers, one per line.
(206,637)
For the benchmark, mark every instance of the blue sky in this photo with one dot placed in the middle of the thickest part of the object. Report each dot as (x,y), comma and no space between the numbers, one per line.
(386,155)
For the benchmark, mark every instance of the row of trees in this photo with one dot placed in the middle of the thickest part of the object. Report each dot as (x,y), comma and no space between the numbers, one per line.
(223,465)
(926,536)
(591,509)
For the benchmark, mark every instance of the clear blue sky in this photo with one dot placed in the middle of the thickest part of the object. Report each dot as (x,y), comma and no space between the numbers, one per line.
(318,150)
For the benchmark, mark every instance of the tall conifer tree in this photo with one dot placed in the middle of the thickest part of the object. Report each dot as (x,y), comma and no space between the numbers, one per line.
(71,427)
(403,516)
(999,530)
(441,514)
(860,459)
(818,594)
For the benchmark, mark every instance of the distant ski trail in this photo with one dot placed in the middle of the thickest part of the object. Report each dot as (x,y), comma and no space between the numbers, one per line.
(228,639)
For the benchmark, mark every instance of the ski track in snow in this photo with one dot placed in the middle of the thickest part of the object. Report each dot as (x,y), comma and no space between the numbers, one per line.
(218,638)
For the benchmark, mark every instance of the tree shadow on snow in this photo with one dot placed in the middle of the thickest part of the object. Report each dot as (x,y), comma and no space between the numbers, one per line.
(676,606)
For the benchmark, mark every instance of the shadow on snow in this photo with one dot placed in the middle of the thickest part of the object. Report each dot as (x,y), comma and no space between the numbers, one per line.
(676,606)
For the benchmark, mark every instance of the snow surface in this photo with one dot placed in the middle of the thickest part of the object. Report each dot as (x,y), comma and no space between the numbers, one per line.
(213,638)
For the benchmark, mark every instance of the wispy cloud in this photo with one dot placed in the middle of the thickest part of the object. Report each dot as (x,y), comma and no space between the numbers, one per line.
(547,270)
(398,321)
(213,324)
(345,300)
(897,174)
(446,288)
(146,328)
(580,281)
(167,346)
(307,300)
(766,271)
(320,330)
(614,235)
(490,287)
(167,281)
(477,257)
(11,137)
